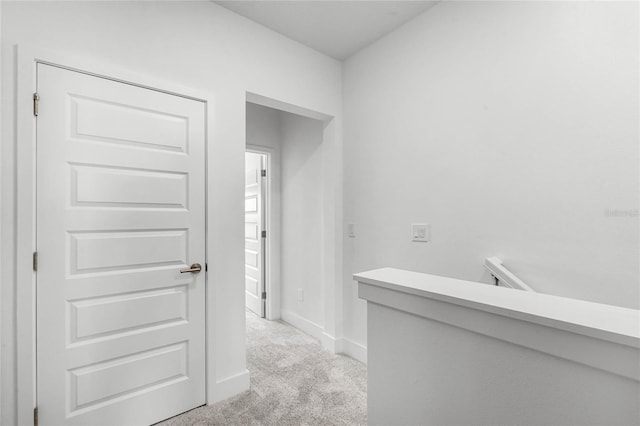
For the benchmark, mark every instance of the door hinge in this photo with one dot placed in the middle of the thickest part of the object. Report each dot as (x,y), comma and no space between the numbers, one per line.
(263,173)
(264,234)
(35,261)
(36,102)
(35,416)
(264,295)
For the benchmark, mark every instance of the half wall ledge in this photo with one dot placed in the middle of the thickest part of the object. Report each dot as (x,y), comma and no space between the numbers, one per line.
(448,351)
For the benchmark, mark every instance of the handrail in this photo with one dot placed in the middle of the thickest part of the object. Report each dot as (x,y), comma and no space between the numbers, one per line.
(503,275)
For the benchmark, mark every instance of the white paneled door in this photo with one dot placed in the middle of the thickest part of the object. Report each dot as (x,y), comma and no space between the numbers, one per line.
(254,215)
(120,222)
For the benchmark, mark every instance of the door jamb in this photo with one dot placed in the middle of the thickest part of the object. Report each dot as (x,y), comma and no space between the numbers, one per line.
(28,56)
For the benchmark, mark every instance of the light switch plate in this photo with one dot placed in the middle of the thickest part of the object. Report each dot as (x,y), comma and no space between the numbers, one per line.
(420,232)
(351,230)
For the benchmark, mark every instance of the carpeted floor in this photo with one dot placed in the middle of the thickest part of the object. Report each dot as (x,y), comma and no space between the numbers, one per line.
(293,382)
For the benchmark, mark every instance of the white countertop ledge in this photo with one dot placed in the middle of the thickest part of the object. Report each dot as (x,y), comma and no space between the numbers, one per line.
(606,322)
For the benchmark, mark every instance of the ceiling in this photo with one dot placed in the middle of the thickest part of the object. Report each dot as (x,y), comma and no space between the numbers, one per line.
(335,28)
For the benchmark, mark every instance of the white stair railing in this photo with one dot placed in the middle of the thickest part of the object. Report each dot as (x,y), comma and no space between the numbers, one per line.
(503,276)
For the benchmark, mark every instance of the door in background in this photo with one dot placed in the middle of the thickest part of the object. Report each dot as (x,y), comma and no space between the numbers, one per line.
(120,221)
(255,233)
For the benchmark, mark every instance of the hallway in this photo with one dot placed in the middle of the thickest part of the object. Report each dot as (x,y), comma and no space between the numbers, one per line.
(293,382)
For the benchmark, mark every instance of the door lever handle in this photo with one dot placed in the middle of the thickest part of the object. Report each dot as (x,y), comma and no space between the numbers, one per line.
(196,267)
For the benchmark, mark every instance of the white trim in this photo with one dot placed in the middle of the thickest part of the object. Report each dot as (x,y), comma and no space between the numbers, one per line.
(28,57)
(311,328)
(231,386)
(330,343)
(272,285)
(1,237)
(25,238)
(327,341)
(265,101)
(354,350)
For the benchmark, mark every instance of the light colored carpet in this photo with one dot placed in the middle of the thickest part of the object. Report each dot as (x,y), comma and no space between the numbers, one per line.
(293,382)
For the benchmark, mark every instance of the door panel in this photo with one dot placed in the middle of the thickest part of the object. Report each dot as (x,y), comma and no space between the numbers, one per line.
(120,210)
(92,186)
(254,225)
(100,316)
(105,251)
(103,382)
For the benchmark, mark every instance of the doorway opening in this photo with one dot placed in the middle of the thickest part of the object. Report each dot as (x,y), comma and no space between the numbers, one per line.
(286,266)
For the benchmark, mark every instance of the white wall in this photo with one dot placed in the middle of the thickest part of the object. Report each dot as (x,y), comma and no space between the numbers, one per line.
(428,372)
(194,44)
(264,128)
(297,144)
(302,219)
(510,127)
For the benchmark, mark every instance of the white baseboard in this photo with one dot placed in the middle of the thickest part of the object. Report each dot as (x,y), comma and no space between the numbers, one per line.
(330,343)
(327,341)
(299,322)
(354,350)
(228,387)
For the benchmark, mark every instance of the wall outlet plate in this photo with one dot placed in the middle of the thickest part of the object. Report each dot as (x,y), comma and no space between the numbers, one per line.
(420,232)
(351,230)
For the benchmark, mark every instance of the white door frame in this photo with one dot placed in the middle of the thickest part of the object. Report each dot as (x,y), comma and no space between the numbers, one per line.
(272,225)
(28,58)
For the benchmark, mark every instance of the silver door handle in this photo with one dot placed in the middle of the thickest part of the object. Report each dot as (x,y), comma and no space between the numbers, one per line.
(196,267)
